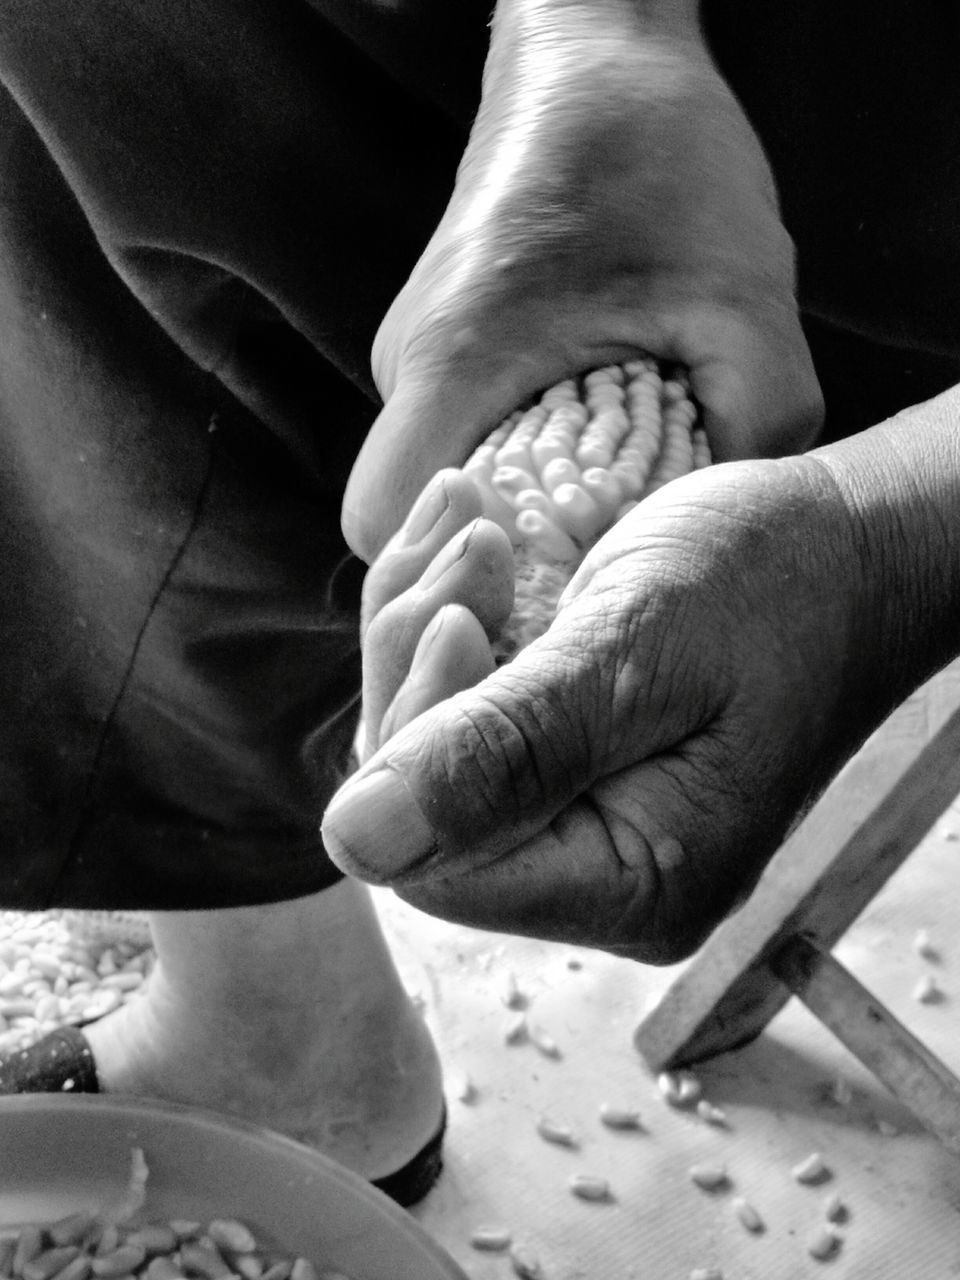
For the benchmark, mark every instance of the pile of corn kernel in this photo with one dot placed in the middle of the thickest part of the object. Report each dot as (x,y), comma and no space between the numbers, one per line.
(88,1246)
(66,968)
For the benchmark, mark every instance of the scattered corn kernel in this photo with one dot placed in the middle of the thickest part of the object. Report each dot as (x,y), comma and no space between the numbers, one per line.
(835,1210)
(619,1117)
(465,1090)
(812,1170)
(586,1186)
(544,1043)
(556,1131)
(927,990)
(679,1088)
(490,1239)
(517,1030)
(823,1243)
(709,1177)
(748,1215)
(525,1263)
(511,995)
(924,946)
(711,1114)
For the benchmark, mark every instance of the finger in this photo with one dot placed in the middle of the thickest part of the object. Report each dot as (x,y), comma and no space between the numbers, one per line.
(475,569)
(448,503)
(453,654)
(491,767)
(759,393)
(411,439)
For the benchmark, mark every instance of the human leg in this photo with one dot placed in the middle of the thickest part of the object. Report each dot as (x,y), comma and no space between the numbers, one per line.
(180,664)
(291,1014)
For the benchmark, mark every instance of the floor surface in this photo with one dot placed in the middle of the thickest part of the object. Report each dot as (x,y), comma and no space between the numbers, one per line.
(793,1092)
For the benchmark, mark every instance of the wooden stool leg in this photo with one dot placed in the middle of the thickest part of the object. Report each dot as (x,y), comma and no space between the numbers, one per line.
(895,1056)
(837,859)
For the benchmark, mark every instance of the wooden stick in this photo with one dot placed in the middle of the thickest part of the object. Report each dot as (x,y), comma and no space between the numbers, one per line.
(882,1043)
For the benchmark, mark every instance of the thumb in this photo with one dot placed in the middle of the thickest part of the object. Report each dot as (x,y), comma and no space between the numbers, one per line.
(493,766)
(475,814)
(465,781)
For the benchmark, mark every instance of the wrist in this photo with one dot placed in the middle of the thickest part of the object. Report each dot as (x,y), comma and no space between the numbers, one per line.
(900,485)
(619,44)
(664,17)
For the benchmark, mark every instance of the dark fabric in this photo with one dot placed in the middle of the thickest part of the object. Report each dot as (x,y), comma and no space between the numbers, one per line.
(857,105)
(205,208)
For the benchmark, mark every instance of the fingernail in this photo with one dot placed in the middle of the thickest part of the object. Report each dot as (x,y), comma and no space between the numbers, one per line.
(427,510)
(373,828)
(429,637)
(446,558)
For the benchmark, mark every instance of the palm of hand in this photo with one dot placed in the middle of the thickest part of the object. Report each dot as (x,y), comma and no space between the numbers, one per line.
(652,748)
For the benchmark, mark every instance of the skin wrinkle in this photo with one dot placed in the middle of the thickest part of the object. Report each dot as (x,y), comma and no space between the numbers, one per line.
(631,675)
(638,929)
(530,778)
(639,902)
(570,728)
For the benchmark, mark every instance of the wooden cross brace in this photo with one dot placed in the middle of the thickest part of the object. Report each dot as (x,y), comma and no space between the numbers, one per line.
(874,814)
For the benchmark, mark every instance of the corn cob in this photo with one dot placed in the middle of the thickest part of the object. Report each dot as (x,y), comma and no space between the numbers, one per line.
(558,474)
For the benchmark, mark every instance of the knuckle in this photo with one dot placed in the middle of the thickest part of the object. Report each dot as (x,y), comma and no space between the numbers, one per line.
(501,766)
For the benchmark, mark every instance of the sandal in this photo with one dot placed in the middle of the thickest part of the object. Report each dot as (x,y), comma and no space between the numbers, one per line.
(62,1062)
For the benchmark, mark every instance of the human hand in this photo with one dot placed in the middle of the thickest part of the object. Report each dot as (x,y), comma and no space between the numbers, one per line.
(613,200)
(623,781)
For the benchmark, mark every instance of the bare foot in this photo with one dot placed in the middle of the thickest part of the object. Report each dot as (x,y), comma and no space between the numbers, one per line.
(291,1015)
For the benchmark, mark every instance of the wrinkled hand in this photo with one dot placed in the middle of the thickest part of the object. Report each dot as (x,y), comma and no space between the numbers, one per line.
(623,781)
(613,199)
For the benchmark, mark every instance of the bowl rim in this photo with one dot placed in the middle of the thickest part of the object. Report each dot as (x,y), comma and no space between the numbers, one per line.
(129,1107)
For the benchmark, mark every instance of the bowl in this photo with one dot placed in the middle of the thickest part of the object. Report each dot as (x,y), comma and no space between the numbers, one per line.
(60,1154)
